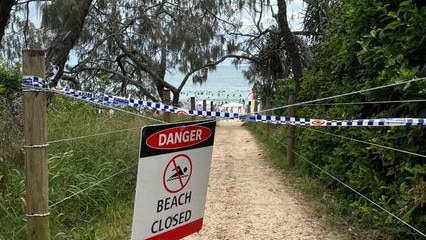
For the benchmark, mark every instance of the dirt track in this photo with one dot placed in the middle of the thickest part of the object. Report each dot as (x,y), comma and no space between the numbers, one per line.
(248,198)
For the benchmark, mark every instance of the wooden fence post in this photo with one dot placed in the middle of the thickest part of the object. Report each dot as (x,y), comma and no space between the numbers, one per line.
(204,106)
(192,107)
(166,97)
(35,122)
(267,107)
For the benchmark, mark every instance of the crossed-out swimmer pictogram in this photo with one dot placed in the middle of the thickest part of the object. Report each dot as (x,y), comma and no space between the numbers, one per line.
(177,173)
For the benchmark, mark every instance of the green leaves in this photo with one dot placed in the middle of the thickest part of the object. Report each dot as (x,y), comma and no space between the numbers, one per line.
(395,42)
(367,44)
(10,81)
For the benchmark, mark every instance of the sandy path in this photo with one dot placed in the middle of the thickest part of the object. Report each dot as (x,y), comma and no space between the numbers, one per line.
(248,197)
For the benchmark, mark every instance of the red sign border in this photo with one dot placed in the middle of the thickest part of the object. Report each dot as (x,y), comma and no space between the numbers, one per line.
(180,232)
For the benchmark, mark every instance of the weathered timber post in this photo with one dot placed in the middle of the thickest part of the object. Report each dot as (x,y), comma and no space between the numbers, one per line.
(291,47)
(192,107)
(267,107)
(166,97)
(35,122)
(204,106)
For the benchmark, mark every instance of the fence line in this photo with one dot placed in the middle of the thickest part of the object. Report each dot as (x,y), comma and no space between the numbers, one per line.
(352,189)
(302,157)
(348,94)
(93,185)
(31,82)
(298,154)
(92,135)
(366,103)
(107,178)
(80,192)
(365,142)
(127,112)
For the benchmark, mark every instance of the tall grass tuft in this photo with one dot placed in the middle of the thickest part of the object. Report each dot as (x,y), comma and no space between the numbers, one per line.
(88,197)
(12,176)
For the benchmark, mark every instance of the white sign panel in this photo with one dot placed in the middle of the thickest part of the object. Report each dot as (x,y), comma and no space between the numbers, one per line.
(172,180)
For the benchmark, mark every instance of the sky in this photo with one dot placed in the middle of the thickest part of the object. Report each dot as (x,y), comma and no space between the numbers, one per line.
(294,15)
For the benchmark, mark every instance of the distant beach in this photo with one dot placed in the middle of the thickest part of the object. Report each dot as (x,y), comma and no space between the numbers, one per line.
(225,85)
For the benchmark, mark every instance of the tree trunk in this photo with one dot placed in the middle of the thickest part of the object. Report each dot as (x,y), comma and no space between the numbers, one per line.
(291,47)
(57,52)
(5,9)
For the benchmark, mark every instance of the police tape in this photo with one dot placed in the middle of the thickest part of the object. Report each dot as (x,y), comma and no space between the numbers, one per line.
(335,123)
(31,82)
(114,101)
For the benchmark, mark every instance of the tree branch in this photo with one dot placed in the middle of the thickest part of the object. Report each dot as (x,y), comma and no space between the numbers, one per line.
(185,79)
(121,76)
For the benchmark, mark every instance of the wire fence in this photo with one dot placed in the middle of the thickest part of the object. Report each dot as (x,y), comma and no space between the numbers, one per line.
(351,188)
(306,103)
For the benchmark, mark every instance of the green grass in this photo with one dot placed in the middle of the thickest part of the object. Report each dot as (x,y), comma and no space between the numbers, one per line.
(92,175)
(78,164)
(87,168)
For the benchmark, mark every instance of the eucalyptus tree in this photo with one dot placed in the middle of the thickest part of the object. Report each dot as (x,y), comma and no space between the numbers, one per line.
(63,22)
(126,47)
(280,57)
(291,48)
(131,45)
(18,30)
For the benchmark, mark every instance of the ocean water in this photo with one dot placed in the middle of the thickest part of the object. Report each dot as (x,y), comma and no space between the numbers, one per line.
(224,85)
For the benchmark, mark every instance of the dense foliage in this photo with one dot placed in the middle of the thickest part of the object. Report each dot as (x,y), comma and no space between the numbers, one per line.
(10,84)
(368,44)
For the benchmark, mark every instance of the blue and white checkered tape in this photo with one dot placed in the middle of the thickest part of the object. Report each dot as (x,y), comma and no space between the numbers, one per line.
(33,82)
(114,101)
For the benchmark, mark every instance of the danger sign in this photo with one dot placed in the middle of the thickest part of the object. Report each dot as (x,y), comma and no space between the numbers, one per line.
(173,172)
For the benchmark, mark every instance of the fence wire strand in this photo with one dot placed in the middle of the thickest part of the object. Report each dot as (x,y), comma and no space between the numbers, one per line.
(109,177)
(92,135)
(271,109)
(346,94)
(365,142)
(93,185)
(350,188)
(366,103)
